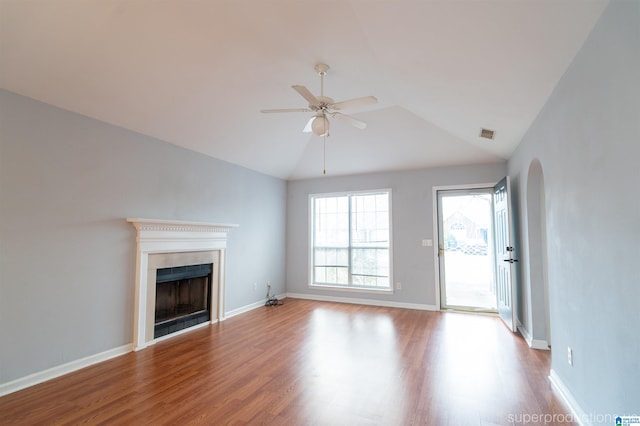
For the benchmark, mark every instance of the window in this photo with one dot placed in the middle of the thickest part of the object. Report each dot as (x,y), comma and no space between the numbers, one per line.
(350,240)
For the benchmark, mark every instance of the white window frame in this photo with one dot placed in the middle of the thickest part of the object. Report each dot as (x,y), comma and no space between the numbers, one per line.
(350,287)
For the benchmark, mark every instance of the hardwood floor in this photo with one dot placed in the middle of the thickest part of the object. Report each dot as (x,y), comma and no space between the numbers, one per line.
(310,363)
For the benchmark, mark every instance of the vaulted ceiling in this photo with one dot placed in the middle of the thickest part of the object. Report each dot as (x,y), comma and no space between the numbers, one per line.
(197,73)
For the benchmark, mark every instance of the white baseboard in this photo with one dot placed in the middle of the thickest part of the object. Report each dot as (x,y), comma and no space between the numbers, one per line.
(577,412)
(533,343)
(370,302)
(250,307)
(524,332)
(60,370)
(540,344)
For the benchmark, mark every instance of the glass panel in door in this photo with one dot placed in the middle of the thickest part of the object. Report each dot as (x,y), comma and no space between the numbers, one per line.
(466,250)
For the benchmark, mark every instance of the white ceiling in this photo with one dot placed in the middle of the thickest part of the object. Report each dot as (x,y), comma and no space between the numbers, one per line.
(197,73)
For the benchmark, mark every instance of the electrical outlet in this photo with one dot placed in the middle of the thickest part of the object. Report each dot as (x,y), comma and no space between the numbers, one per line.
(398,285)
(570,356)
(255,286)
(427,243)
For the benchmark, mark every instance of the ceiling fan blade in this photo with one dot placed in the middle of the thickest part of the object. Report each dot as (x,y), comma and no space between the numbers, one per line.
(367,100)
(307,128)
(355,123)
(269,111)
(305,93)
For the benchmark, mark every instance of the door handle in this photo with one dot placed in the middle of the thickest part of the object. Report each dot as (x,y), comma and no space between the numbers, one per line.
(511,260)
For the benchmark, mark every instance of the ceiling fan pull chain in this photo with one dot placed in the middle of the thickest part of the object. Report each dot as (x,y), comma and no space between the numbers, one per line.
(324,155)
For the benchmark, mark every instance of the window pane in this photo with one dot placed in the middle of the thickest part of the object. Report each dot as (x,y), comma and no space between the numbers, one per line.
(331,265)
(320,275)
(370,267)
(331,275)
(331,222)
(370,220)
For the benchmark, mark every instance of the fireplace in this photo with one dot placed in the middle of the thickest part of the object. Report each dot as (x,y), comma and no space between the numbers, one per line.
(182,298)
(180,280)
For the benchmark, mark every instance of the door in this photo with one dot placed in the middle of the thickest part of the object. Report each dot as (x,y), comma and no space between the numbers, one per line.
(466,260)
(504,260)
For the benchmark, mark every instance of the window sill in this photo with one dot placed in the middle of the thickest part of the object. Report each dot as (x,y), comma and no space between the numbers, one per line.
(351,289)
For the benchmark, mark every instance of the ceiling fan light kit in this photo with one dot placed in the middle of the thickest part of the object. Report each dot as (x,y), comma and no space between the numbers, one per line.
(320,125)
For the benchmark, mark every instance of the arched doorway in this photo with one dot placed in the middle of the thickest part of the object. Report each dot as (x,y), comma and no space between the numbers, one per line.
(538,279)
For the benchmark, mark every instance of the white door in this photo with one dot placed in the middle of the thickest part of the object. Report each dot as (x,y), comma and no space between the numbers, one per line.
(504,252)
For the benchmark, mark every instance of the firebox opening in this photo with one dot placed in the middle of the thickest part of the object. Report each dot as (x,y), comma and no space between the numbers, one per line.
(183,298)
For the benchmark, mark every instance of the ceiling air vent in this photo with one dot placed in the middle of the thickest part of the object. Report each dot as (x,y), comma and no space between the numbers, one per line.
(487,134)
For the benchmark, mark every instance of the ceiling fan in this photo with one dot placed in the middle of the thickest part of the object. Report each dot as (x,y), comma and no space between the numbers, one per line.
(325,107)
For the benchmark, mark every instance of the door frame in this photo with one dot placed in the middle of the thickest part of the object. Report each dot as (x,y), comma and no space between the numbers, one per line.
(436,231)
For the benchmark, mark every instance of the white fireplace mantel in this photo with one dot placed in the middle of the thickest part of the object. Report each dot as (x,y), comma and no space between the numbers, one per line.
(171,237)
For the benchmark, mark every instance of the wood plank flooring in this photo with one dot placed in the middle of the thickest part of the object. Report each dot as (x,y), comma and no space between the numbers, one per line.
(309,363)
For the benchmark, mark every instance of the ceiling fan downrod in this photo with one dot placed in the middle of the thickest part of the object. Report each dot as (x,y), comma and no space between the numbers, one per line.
(321,69)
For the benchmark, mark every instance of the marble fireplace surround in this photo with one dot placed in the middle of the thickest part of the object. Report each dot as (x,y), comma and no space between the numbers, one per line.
(168,243)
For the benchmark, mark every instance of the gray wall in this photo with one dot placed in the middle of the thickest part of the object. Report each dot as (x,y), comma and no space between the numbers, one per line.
(412,221)
(587,139)
(67,256)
